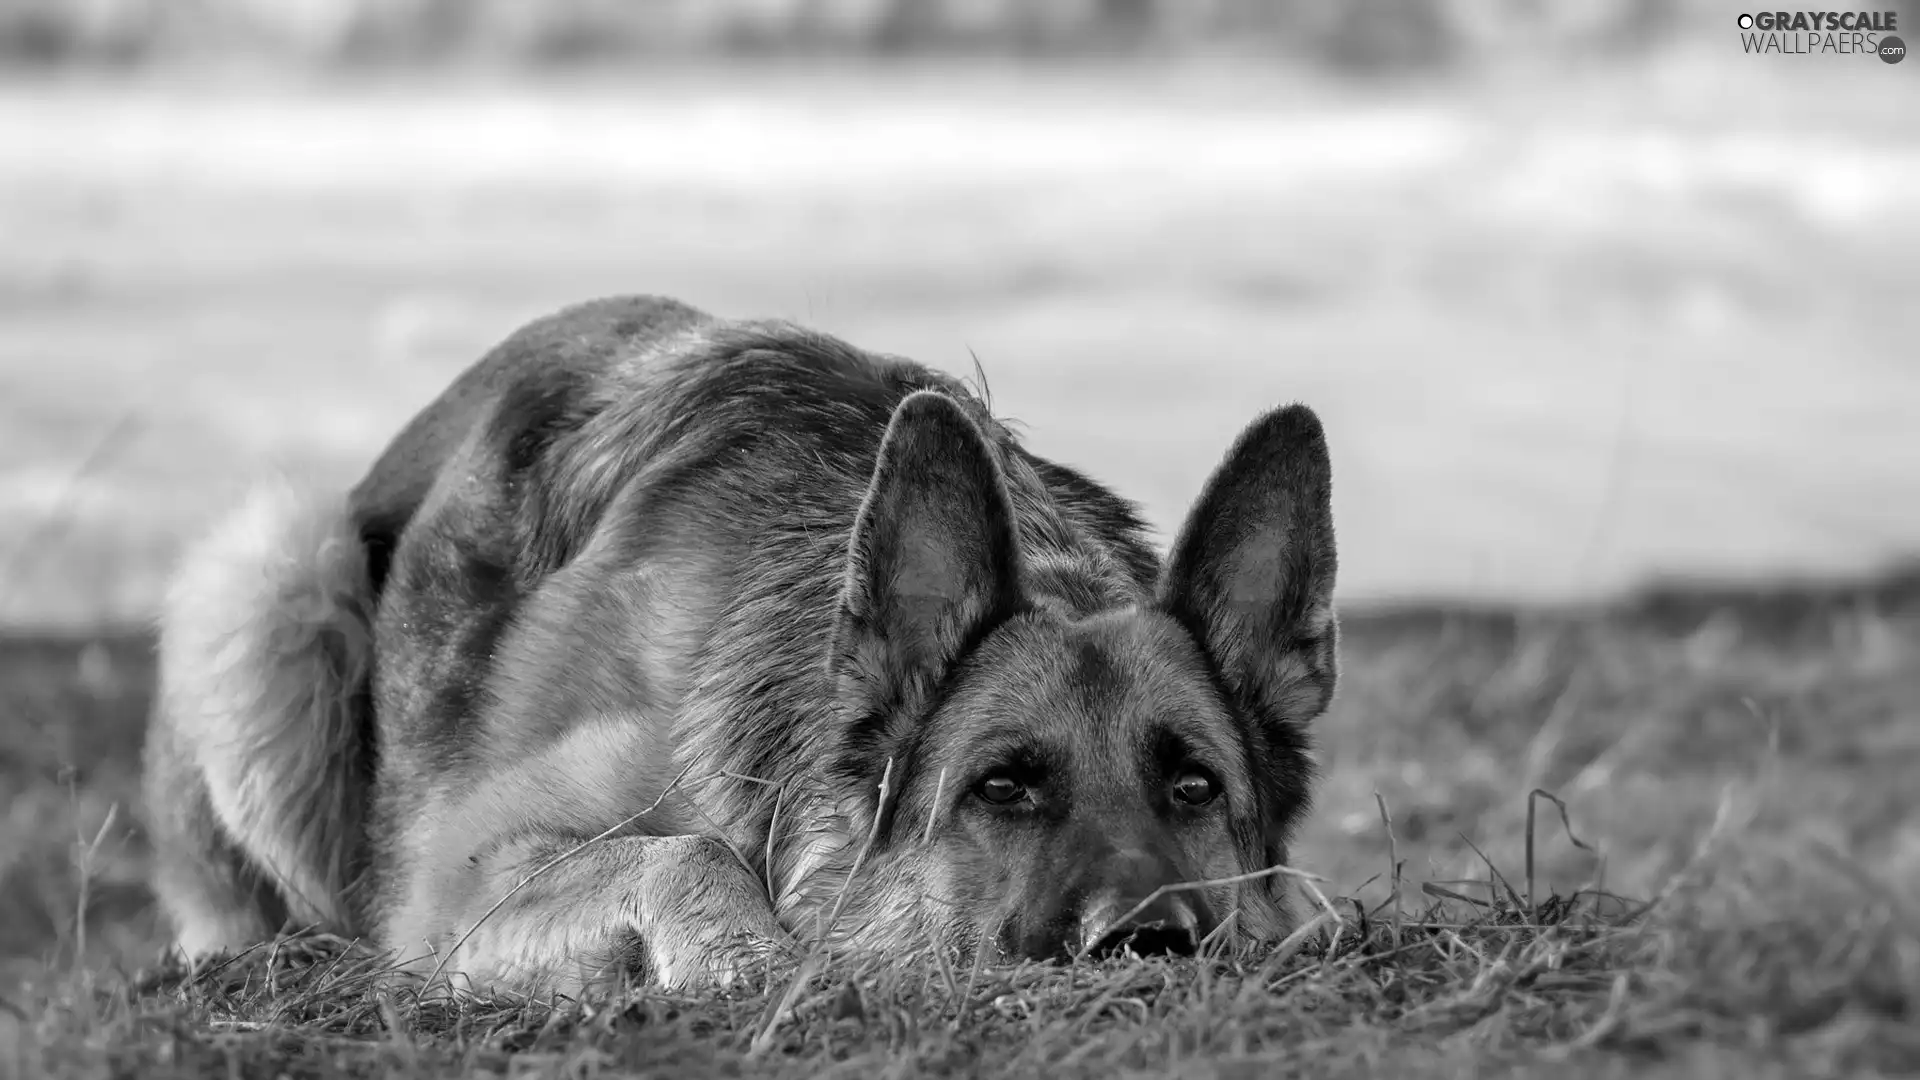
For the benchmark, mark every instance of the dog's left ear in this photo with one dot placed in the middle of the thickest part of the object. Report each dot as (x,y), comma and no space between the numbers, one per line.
(1251,574)
(933,563)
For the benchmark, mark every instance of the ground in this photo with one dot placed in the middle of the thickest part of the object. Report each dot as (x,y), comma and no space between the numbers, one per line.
(1563,338)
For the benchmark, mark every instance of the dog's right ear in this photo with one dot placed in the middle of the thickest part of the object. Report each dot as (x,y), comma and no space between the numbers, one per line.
(933,564)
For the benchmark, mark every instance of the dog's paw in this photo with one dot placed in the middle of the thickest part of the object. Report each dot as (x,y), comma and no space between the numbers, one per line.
(711,957)
(700,916)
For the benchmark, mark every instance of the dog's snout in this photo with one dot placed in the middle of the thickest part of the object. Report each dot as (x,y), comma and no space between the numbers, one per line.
(1165,927)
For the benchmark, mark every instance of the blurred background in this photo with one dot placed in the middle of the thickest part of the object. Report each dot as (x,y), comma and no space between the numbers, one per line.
(1587,296)
(1584,292)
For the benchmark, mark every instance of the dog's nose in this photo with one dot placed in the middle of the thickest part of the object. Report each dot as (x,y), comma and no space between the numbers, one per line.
(1152,939)
(1166,927)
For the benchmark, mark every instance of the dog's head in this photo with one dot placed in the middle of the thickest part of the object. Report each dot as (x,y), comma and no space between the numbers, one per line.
(1049,775)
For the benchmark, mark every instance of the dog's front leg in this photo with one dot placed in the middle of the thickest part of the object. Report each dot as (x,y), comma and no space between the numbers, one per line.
(673,911)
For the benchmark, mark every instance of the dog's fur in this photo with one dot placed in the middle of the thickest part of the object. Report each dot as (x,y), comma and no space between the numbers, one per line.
(803,633)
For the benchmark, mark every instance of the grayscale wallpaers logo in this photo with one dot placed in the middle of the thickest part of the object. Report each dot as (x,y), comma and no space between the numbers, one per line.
(1823,33)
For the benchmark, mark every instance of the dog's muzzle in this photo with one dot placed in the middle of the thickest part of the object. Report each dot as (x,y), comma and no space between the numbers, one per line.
(1133,910)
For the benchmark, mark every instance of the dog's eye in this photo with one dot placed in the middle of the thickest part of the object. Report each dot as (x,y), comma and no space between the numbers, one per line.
(1194,788)
(1001,790)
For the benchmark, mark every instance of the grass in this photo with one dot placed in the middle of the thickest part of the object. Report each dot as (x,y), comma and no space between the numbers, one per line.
(1738,767)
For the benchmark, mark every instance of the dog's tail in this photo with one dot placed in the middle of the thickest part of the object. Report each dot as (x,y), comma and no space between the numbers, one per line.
(258,757)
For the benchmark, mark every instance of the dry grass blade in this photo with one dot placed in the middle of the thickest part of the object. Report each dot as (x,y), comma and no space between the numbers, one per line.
(779,1009)
(1566,823)
(1393,862)
(1496,878)
(814,961)
(933,817)
(1290,945)
(1220,935)
(1610,1019)
(860,858)
(1434,888)
(86,858)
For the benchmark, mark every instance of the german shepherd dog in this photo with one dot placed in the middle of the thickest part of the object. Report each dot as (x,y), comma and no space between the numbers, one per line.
(658,642)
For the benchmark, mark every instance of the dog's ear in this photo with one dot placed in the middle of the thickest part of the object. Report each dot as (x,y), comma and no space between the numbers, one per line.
(1251,574)
(933,564)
